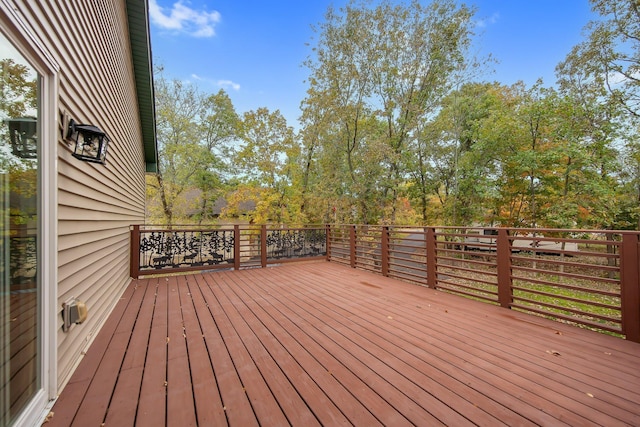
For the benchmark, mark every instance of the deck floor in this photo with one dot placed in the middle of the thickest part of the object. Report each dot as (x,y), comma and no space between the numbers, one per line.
(323,344)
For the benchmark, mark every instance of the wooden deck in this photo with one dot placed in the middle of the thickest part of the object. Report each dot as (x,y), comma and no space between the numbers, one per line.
(323,344)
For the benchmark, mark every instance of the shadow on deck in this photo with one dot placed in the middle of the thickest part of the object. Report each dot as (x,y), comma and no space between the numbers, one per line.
(324,344)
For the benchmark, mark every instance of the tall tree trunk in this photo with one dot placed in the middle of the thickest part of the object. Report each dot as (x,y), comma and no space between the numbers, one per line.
(203,207)
(167,209)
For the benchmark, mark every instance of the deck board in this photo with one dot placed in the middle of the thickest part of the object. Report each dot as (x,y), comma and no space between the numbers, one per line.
(180,399)
(153,392)
(390,342)
(208,404)
(323,344)
(272,365)
(254,383)
(489,357)
(235,402)
(124,402)
(435,395)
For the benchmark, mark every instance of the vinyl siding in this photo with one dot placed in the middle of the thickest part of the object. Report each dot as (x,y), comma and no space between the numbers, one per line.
(96,204)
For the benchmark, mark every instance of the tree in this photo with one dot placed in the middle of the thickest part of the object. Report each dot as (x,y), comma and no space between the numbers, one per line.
(219,126)
(611,52)
(18,98)
(17,89)
(193,132)
(377,75)
(18,176)
(609,60)
(268,158)
(444,160)
(587,125)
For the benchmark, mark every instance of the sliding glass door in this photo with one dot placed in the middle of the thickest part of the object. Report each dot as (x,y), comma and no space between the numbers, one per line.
(20,290)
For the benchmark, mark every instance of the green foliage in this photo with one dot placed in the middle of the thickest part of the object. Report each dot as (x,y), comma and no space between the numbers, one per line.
(268,159)
(194,131)
(394,129)
(609,54)
(17,89)
(18,176)
(378,75)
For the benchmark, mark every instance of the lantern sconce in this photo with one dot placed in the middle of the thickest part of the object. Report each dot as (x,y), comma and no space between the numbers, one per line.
(23,133)
(90,142)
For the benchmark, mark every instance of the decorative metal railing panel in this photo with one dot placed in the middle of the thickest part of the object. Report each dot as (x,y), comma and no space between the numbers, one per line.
(296,243)
(23,261)
(161,250)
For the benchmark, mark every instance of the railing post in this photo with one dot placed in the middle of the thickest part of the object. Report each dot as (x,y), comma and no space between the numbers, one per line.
(384,250)
(263,246)
(352,245)
(503,259)
(327,235)
(134,246)
(236,247)
(630,286)
(431,266)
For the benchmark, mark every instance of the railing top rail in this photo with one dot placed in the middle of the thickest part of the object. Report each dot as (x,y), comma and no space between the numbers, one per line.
(420,228)
(195,227)
(415,228)
(537,230)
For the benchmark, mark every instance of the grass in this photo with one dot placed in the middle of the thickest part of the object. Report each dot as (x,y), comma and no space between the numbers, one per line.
(553,298)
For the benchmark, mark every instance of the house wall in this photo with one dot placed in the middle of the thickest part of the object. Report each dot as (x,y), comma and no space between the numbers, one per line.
(89,39)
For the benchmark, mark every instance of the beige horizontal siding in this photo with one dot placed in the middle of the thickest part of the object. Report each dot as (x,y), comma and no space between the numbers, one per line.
(96,204)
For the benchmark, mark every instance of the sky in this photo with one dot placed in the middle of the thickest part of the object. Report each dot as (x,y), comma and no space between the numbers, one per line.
(254,49)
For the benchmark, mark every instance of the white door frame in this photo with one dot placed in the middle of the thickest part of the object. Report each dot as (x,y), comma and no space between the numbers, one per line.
(19,33)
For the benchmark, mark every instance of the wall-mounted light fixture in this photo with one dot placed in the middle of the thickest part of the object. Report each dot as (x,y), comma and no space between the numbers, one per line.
(91,143)
(23,134)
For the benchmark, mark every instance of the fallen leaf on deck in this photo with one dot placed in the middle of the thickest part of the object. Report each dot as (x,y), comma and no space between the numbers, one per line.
(389,317)
(553,352)
(589,394)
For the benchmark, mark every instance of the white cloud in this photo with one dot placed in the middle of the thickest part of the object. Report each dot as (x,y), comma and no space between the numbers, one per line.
(483,23)
(616,79)
(228,84)
(181,18)
(224,84)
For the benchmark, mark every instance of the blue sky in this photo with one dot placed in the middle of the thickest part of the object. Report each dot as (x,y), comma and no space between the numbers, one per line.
(254,49)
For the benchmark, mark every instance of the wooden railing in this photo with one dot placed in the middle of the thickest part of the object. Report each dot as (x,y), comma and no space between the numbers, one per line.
(590,278)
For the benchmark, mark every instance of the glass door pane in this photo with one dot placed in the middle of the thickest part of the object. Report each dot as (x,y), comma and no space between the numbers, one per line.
(19,230)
